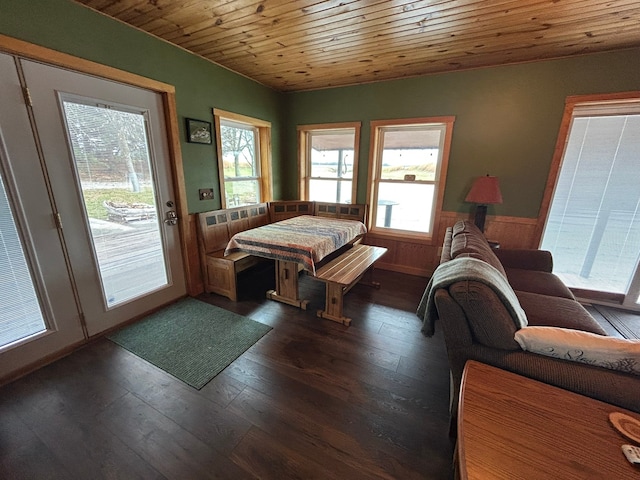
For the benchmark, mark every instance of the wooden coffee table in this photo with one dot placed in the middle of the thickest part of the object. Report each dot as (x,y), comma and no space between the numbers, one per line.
(511,427)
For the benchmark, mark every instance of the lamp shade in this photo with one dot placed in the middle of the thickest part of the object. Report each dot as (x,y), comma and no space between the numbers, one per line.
(485,191)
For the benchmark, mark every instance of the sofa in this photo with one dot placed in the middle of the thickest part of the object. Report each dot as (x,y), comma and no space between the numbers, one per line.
(484,299)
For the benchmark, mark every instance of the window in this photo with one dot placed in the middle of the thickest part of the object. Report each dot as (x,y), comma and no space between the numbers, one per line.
(593,223)
(329,162)
(244,159)
(408,166)
(21,312)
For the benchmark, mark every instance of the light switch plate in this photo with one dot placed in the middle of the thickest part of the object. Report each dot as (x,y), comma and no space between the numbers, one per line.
(205,193)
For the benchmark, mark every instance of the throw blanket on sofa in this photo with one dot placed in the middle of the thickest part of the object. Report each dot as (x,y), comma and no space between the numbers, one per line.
(461,269)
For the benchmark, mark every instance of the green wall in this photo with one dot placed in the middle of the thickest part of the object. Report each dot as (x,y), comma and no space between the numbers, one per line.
(200,85)
(507,119)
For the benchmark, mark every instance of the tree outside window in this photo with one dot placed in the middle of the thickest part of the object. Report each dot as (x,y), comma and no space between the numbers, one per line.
(241,170)
(244,159)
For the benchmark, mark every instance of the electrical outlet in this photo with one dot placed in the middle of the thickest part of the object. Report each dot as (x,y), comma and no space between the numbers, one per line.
(205,193)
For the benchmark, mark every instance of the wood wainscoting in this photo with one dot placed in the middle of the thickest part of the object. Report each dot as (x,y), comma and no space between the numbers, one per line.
(411,256)
(417,257)
(195,280)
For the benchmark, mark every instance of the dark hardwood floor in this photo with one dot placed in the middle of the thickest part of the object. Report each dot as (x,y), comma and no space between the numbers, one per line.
(625,323)
(311,400)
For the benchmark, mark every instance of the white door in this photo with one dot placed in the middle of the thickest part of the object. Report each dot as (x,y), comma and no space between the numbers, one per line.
(85,189)
(39,315)
(105,149)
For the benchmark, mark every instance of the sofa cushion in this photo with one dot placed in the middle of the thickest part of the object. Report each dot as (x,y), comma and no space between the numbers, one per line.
(477,247)
(546,311)
(468,239)
(490,322)
(576,346)
(465,226)
(535,281)
(445,256)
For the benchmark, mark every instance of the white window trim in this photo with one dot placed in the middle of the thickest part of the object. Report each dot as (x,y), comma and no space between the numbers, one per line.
(376,126)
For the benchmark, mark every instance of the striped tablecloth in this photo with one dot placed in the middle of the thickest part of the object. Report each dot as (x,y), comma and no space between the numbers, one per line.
(305,239)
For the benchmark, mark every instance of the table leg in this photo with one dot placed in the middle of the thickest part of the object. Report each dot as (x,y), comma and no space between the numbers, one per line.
(333,304)
(287,285)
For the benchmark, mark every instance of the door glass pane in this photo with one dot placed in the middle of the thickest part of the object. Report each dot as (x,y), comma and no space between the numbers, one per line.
(21,315)
(112,160)
(593,229)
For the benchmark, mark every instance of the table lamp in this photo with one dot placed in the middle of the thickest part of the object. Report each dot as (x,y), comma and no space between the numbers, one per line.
(484,191)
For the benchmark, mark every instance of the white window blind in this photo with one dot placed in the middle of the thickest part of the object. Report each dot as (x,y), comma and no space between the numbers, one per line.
(21,315)
(593,227)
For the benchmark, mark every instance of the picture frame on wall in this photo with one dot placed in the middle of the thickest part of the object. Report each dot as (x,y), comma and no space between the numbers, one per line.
(198,131)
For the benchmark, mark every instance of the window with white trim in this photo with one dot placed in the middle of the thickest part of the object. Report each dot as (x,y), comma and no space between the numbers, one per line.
(328,155)
(244,159)
(408,163)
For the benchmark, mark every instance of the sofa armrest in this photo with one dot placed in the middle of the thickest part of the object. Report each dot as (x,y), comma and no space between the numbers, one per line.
(527,259)
(452,320)
(610,386)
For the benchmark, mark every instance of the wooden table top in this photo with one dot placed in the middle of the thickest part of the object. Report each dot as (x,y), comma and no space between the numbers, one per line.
(513,427)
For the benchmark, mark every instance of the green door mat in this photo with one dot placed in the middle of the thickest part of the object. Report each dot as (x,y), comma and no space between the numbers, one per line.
(190,339)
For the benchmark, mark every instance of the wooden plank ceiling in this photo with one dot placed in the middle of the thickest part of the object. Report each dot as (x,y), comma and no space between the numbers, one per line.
(311,44)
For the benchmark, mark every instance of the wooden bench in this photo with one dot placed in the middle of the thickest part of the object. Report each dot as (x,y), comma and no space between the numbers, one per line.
(215,229)
(342,273)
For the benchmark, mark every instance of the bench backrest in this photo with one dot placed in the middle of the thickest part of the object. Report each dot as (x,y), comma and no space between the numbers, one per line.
(216,227)
(281,210)
(341,210)
(213,233)
(245,218)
